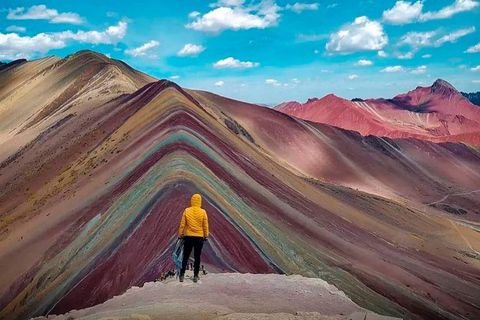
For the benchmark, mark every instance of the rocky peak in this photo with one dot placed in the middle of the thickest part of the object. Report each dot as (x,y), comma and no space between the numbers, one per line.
(442,87)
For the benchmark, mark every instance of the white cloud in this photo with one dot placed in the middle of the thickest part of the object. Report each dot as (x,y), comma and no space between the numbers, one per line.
(295,80)
(16,29)
(175,77)
(361,35)
(382,54)
(111,14)
(403,12)
(475,81)
(392,69)
(419,70)
(193,14)
(408,55)
(418,39)
(352,76)
(111,35)
(219,83)
(325,71)
(428,55)
(227,3)
(232,63)
(475,69)
(14,46)
(191,50)
(448,11)
(473,49)
(299,7)
(333,5)
(364,63)
(143,50)
(232,14)
(454,36)
(273,82)
(316,51)
(41,12)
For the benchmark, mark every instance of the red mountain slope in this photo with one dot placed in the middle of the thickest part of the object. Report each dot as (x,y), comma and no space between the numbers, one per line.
(437,113)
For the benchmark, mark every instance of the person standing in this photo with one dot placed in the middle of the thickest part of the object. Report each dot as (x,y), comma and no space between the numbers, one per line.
(194,231)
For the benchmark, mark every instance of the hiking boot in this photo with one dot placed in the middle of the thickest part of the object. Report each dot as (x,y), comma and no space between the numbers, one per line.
(181,278)
(196,278)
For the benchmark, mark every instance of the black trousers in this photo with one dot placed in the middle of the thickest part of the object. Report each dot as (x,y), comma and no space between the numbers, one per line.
(196,243)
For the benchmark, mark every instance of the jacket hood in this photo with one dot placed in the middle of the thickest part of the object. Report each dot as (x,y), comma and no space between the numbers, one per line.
(196,200)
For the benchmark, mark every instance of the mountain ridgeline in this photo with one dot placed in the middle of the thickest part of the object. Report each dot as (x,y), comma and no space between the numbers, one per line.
(98,160)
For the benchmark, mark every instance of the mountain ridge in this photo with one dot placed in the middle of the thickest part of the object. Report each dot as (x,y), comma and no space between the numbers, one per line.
(106,179)
(437,113)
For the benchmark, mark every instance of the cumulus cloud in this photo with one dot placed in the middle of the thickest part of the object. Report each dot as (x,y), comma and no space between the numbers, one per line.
(273,82)
(175,77)
(364,63)
(16,29)
(299,7)
(361,35)
(475,69)
(406,56)
(419,70)
(143,50)
(193,14)
(473,49)
(191,50)
(41,12)
(14,46)
(392,69)
(232,14)
(111,35)
(428,55)
(404,12)
(352,76)
(231,63)
(382,54)
(219,83)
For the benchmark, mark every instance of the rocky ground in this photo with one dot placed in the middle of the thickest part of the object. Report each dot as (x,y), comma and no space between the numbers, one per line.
(229,296)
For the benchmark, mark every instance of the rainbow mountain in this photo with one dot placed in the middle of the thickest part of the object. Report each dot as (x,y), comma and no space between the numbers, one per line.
(98,160)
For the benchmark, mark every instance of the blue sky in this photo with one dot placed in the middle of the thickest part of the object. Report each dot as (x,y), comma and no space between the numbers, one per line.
(262,51)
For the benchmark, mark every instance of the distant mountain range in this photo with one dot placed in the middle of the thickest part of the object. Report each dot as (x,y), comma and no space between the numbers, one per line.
(437,113)
(474,97)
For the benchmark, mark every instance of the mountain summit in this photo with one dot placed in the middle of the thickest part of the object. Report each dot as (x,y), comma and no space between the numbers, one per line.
(443,87)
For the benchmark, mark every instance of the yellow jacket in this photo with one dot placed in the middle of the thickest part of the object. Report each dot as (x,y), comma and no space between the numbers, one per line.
(194,219)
